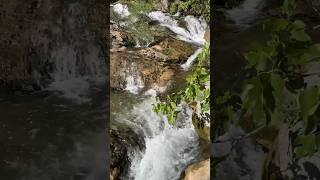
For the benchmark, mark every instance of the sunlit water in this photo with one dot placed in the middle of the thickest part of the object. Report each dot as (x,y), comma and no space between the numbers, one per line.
(168,148)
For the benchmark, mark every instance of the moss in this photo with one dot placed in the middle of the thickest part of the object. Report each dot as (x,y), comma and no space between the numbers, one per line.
(138,6)
(171,52)
(193,7)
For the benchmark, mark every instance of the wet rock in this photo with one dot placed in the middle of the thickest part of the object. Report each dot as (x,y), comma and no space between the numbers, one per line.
(207,36)
(198,171)
(119,38)
(163,5)
(122,142)
(201,121)
(169,50)
(143,71)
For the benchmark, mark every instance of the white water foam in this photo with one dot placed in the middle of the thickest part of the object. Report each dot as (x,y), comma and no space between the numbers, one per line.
(134,84)
(133,79)
(166,155)
(246,13)
(188,64)
(193,33)
(121,10)
(168,149)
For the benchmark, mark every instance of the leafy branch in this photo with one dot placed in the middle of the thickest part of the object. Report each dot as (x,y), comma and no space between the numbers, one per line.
(275,91)
(197,90)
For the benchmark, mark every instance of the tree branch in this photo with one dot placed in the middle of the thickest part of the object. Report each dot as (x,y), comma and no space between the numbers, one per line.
(238,138)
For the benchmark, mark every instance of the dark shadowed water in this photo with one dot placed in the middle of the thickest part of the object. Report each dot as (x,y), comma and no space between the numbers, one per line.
(46,137)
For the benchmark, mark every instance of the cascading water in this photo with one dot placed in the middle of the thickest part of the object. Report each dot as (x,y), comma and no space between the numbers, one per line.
(72,52)
(244,15)
(134,82)
(121,10)
(188,64)
(194,33)
(168,148)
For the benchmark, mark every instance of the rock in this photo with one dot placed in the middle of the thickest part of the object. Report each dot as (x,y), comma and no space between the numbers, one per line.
(163,5)
(198,171)
(201,121)
(207,36)
(166,75)
(120,38)
(169,50)
(121,142)
(114,174)
(151,73)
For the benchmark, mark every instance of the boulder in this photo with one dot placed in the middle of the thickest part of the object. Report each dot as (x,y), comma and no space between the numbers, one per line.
(119,38)
(169,50)
(201,121)
(124,65)
(121,142)
(198,171)
(207,36)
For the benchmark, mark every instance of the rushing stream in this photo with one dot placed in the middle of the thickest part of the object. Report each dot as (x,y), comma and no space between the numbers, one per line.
(168,149)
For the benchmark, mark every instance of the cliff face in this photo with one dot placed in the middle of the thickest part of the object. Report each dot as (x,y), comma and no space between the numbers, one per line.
(28,28)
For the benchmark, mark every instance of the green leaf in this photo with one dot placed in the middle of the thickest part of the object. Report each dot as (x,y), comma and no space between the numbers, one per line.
(289,7)
(275,25)
(298,31)
(298,25)
(277,83)
(173,105)
(309,101)
(313,52)
(306,145)
(300,35)
(255,58)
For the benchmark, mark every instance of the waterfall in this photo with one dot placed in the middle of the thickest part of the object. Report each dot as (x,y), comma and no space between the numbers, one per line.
(121,10)
(246,13)
(70,48)
(188,64)
(168,150)
(193,33)
(133,80)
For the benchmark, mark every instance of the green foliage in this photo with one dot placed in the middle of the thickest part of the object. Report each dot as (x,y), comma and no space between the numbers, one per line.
(195,91)
(201,7)
(138,6)
(275,92)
